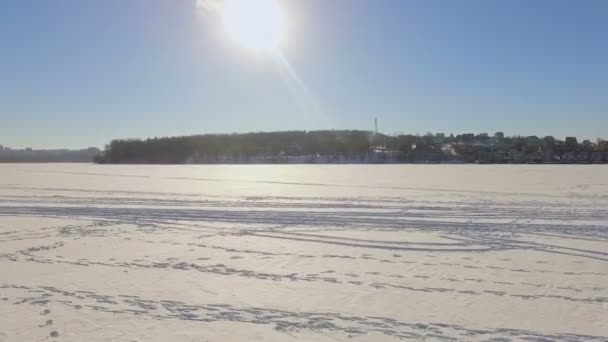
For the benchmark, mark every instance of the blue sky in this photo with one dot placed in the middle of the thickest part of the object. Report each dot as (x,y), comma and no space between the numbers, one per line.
(79,73)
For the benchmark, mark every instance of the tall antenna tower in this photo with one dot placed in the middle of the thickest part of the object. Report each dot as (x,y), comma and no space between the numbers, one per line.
(376,125)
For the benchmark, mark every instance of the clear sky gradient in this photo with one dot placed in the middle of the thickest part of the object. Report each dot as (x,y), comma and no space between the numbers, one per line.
(77,73)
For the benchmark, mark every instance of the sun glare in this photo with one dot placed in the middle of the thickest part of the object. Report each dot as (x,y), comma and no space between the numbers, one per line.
(254,24)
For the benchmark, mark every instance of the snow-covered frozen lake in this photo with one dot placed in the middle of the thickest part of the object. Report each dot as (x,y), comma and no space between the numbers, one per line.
(303,252)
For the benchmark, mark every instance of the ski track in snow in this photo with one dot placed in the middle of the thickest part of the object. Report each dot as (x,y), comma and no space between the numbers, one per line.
(303,258)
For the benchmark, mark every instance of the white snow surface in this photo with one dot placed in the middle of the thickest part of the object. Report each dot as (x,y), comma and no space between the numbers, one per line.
(303,252)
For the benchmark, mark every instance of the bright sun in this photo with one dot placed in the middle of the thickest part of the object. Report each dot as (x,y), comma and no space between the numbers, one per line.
(254,24)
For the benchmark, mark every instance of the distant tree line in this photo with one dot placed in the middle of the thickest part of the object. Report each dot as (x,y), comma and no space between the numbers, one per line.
(28,155)
(355,146)
(239,147)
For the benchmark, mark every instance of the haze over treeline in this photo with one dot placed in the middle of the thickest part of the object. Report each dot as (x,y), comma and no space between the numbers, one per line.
(29,155)
(354,146)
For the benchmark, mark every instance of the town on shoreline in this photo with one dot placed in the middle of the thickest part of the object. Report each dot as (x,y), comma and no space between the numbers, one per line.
(353,146)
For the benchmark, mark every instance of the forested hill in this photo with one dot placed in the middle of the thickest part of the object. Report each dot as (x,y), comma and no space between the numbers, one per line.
(352,146)
(216,148)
